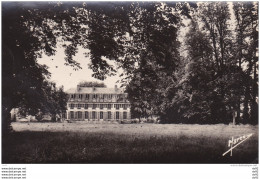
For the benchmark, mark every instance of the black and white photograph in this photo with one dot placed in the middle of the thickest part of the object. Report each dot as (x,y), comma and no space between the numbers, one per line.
(129,82)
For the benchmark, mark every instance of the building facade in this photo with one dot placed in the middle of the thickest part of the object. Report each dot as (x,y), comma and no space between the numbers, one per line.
(97,104)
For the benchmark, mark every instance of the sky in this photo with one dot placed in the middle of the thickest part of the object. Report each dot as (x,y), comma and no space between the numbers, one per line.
(65,76)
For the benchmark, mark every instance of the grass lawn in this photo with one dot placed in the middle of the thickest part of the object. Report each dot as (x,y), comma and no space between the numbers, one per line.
(127,143)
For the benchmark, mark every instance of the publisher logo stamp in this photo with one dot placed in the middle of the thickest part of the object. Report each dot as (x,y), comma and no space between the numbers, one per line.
(234,142)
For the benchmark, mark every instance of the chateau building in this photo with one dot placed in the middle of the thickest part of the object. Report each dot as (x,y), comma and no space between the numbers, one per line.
(97,103)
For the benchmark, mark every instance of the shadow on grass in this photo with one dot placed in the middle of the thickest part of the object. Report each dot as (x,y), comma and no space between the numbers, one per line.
(82,147)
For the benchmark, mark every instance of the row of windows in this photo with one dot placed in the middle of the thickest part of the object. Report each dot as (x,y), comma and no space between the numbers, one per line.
(98,96)
(101,106)
(79,115)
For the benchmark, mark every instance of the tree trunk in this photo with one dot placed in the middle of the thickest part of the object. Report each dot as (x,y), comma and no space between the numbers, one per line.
(6,120)
(247,98)
(254,111)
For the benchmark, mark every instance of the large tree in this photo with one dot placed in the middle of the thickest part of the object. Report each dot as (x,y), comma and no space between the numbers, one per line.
(158,58)
(27,32)
(246,49)
(213,86)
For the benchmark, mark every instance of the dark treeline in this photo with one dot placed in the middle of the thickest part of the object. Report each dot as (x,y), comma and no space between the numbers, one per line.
(214,80)
(207,75)
(91,84)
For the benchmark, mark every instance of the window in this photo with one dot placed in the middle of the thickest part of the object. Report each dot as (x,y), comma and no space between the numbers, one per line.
(109,115)
(87,96)
(86,106)
(101,106)
(94,106)
(117,106)
(86,115)
(71,114)
(101,114)
(94,96)
(124,106)
(71,106)
(117,115)
(93,115)
(109,106)
(79,115)
(124,115)
(72,96)
(80,96)
(78,106)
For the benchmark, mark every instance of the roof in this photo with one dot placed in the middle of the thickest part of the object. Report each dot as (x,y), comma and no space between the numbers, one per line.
(95,90)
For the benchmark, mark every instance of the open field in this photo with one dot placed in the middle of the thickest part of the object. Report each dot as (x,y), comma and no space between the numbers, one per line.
(127,143)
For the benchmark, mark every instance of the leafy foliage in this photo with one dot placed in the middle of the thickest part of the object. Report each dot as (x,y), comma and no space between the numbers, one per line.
(27,33)
(91,84)
(209,84)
